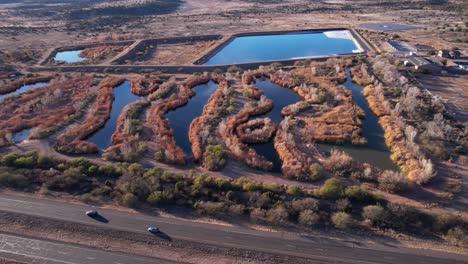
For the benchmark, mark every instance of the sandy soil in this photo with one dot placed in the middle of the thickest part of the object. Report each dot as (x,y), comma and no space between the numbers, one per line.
(177,54)
(452,89)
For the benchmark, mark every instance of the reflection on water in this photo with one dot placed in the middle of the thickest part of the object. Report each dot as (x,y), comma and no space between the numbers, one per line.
(292,45)
(180,118)
(25,88)
(69,56)
(123,97)
(21,136)
(375,152)
(281,97)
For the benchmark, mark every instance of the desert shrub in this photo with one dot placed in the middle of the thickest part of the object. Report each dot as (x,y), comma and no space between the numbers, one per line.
(230,109)
(79,162)
(257,215)
(321,98)
(460,150)
(342,205)
(9,159)
(358,194)
(294,190)
(341,220)
(305,204)
(155,198)
(374,213)
(392,181)
(253,103)
(457,235)
(337,161)
(25,162)
(129,200)
(107,170)
(402,217)
(247,94)
(13,180)
(331,189)
(463,160)
(211,208)
(316,171)
(234,69)
(214,157)
(308,218)
(445,222)
(134,126)
(276,65)
(45,162)
(278,215)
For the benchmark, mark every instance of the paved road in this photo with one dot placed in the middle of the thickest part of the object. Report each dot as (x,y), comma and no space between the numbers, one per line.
(40,251)
(316,248)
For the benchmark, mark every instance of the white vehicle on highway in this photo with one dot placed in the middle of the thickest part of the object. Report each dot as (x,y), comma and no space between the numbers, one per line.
(153,229)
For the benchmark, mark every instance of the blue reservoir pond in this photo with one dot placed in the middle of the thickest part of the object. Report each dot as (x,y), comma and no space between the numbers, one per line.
(25,88)
(69,56)
(180,118)
(21,136)
(293,45)
(123,97)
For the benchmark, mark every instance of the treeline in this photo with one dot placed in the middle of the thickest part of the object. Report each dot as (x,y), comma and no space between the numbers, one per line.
(131,185)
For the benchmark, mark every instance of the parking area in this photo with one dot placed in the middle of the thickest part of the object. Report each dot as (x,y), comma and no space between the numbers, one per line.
(387,27)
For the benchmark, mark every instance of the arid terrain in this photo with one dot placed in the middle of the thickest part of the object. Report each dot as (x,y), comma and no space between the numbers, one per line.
(369,142)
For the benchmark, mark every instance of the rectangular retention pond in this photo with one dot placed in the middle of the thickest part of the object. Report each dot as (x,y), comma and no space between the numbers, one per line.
(69,56)
(285,46)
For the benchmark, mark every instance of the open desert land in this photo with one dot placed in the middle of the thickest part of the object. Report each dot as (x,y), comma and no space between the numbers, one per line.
(275,124)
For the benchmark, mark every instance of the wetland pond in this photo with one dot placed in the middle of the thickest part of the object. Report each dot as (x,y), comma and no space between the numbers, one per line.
(375,152)
(284,46)
(122,97)
(281,97)
(180,118)
(69,56)
(21,136)
(24,88)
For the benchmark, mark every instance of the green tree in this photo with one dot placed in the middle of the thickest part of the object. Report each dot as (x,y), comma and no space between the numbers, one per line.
(342,220)
(129,200)
(331,189)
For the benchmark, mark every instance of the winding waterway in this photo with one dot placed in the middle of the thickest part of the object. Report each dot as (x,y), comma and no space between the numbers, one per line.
(180,118)
(375,152)
(281,97)
(123,97)
(24,88)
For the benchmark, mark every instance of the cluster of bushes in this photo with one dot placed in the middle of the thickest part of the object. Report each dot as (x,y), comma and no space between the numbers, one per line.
(132,185)
(214,157)
(164,90)
(30,170)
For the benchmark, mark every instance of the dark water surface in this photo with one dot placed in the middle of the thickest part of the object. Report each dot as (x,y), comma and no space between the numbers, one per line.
(180,118)
(375,152)
(25,88)
(123,97)
(281,97)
